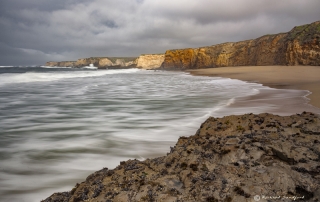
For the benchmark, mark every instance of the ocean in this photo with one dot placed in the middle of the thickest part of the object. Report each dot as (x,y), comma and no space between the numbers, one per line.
(58,125)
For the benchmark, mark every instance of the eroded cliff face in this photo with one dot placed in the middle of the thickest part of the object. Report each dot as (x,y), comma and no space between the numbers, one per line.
(82,62)
(300,46)
(100,62)
(147,61)
(150,61)
(303,45)
(61,64)
(106,62)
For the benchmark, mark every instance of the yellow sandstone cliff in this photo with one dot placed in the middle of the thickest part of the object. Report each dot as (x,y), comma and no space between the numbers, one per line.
(145,61)
(300,46)
(105,62)
(150,61)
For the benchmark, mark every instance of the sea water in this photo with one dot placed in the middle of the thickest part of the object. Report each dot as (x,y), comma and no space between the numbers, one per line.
(58,125)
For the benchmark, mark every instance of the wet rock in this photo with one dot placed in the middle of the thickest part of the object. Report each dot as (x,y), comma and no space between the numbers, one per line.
(228,164)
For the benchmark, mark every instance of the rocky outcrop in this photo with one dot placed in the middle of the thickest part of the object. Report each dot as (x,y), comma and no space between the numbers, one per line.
(61,64)
(300,46)
(106,62)
(100,62)
(150,61)
(51,64)
(82,62)
(234,158)
(145,61)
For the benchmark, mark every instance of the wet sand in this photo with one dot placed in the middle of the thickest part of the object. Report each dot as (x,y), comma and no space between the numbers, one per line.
(280,77)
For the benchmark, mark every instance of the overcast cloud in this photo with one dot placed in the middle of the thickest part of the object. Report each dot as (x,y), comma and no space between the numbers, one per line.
(36,31)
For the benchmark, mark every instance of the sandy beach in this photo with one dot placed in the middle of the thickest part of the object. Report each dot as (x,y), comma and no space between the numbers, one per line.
(280,77)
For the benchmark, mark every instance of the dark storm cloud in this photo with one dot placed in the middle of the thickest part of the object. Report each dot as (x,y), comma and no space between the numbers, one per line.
(36,31)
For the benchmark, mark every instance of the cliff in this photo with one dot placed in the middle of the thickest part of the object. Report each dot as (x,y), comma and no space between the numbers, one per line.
(145,61)
(61,64)
(100,62)
(300,46)
(150,61)
(106,62)
(234,158)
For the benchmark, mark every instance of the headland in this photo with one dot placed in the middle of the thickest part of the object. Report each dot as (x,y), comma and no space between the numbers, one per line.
(299,46)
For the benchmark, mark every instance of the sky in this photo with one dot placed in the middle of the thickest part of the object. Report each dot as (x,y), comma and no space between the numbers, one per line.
(35,31)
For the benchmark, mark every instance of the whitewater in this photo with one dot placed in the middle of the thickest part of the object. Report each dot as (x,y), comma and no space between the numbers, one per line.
(58,125)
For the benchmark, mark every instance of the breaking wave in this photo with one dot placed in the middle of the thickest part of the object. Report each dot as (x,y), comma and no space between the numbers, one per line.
(10,78)
(59,125)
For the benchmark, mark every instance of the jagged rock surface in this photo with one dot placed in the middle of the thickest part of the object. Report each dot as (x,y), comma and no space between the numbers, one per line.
(300,46)
(150,61)
(106,62)
(145,61)
(229,159)
(100,62)
(61,64)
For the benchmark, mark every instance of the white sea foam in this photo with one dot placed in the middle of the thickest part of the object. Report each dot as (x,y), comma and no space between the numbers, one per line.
(89,67)
(27,77)
(59,132)
(5,66)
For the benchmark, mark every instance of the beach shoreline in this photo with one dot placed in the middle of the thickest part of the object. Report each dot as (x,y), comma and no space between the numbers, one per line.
(278,77)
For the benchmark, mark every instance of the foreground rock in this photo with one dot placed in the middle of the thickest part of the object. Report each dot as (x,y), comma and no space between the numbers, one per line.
(300,46)
(229,159)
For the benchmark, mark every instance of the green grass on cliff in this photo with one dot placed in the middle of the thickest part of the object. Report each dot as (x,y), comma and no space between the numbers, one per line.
(304,33)
(297,31)
(318,27)
(301,27)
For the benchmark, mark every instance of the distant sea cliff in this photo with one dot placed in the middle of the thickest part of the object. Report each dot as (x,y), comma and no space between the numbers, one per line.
(300,46)
(146,61)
